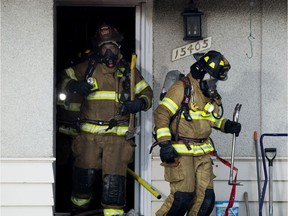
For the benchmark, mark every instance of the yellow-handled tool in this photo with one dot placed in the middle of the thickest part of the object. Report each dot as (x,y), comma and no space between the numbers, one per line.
(144,184)
(130,133)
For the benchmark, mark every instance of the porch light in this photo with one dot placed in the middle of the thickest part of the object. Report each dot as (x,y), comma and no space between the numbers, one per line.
(192,22)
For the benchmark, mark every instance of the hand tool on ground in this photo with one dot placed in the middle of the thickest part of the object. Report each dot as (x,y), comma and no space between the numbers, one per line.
(131,128)
(246,203)
(235,119)
(270,154)
(144,184)
(264,166)
(257,165)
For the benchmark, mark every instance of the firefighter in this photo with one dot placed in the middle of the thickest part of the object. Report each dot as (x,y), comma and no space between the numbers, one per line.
(104,117)
(68,112)
(184,141)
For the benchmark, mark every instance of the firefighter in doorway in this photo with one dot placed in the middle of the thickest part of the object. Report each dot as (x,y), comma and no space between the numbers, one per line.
(183,136)
(104,83)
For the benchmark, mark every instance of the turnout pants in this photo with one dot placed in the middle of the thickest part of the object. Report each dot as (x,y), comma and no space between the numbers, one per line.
(194,174)
(109,153)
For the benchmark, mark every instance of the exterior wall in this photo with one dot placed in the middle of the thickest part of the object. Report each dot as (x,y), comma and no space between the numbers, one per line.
(27,107)
(253,82)
(26,187)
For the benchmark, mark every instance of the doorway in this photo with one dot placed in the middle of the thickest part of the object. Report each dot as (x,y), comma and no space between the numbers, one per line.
(75,28)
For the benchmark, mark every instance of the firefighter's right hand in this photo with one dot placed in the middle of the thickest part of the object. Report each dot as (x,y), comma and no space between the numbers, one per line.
(81,87)
(167,152)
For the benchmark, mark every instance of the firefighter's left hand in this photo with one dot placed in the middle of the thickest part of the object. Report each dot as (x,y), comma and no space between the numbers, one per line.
(133,106)
(232,127)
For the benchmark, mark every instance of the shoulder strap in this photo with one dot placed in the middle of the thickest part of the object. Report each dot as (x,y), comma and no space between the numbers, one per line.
(91,66)
(184,105)
(186,98)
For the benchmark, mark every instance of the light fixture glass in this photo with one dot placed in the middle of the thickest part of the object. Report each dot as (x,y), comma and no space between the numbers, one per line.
(192,23)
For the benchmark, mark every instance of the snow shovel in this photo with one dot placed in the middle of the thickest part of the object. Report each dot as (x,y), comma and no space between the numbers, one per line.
(270,154)
(263,153)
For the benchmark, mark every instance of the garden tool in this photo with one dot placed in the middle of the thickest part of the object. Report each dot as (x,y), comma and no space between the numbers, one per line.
(271,154)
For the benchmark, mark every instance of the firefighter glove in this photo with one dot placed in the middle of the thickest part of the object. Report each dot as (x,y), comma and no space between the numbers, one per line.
(167,152)
(232,127)
(133,106)
(81,87)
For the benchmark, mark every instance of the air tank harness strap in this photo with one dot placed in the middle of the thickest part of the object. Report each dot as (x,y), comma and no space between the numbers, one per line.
(112,123)
(233,189)
(187,140)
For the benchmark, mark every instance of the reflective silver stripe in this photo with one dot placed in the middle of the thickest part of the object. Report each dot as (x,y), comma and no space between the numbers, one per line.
(79,202)
(169,104)
(71,73)
(72,106)
(68,130)
(99,129)
(140,86)
(103,95)
(204,148)
(113,212)
(162,132)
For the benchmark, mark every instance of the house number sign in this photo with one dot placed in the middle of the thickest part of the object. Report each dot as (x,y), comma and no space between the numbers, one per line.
(191,48)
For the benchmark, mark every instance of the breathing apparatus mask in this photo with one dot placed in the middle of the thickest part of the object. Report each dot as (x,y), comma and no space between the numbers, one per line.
(109,53)
(208,86)
(215,67)
(108,43)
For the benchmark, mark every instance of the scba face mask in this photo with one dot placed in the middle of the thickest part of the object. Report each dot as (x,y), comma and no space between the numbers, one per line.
(208,86)
(109,54)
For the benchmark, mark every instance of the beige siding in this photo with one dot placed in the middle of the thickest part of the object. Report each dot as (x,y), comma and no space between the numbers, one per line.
(247,176)
(27,187)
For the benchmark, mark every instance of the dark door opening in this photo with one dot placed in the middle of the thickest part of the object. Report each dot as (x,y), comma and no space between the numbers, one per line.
(75,28)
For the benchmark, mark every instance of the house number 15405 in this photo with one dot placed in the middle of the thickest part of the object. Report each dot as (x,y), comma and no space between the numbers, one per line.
(191,48)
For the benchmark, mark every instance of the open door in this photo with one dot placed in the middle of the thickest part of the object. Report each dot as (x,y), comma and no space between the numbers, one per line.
(75,23)
(75,27)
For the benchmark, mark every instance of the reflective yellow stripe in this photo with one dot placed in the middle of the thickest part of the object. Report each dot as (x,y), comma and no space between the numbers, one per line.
(167,102)
(218,122)
(204,148)
(71,73)
(112,212)
(162,132)
(100,129)
(140,86)
(201,115)
(120,72)
(79,202)
(103,95)
(68,130)
(72,106)
(64,84)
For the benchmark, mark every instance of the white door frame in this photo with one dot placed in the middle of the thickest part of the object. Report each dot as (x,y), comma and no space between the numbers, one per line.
(144,50)
(144,39)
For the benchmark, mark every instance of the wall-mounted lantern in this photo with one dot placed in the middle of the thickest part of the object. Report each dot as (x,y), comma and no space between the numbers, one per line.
(192,22)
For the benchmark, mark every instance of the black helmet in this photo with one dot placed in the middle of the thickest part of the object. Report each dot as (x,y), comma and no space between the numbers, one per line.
(108,34)
(108,45)
(215,64)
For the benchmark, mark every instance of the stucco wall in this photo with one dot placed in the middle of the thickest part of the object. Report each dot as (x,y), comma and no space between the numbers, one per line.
(258,83)
(27,78)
